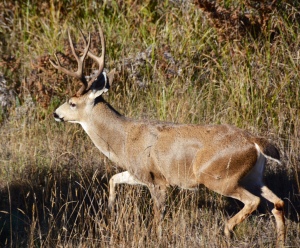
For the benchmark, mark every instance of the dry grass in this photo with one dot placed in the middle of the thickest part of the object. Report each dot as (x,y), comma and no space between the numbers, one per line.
(171,66)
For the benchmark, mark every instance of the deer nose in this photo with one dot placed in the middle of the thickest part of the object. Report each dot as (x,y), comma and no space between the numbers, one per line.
(55,115)
(57,118)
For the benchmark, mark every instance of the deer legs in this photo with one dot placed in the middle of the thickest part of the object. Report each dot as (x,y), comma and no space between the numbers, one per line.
(158,192)
(251,203)
(278,212)
(120,178)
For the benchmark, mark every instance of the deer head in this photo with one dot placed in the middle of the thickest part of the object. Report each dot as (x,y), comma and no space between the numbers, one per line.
(78,106)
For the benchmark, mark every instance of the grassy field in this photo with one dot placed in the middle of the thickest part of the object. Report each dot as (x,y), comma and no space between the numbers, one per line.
(175,62)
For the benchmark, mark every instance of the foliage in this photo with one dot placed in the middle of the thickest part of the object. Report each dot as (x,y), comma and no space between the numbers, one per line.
(176,61)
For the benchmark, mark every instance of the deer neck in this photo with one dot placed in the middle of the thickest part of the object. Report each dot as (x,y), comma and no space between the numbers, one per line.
(107,129)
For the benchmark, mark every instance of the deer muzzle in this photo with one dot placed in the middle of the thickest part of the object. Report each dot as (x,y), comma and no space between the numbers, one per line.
(57,117)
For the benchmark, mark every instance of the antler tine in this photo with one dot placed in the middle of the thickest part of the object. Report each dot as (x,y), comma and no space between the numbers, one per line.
(100,60)
(80,60)
(80,63)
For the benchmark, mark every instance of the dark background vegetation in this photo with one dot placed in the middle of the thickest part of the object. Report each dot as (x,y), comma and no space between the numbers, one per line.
(233,62)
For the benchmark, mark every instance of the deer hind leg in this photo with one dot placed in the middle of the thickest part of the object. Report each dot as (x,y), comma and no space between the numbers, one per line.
(278,213)
(251,203)
(120,178)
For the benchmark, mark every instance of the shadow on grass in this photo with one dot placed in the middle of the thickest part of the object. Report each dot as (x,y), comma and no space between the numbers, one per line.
(49,201)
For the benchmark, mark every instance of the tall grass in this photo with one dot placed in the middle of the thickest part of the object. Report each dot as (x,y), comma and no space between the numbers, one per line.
(172,66)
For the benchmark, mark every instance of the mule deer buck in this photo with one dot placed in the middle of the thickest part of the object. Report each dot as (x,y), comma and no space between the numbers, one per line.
(224,158)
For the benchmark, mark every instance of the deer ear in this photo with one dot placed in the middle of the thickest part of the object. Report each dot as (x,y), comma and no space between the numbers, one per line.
(95,93)
(110,76)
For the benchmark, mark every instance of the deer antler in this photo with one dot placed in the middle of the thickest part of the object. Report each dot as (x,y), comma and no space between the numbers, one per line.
(99,60)
(80,61)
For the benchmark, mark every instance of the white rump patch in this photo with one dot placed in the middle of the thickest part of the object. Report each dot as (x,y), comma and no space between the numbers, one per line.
(259,151)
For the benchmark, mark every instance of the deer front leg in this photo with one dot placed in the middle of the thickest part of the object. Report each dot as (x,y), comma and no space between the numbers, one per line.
(123,177)
(158,194)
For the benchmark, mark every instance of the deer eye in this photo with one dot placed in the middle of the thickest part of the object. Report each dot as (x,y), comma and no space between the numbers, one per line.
(73,105)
